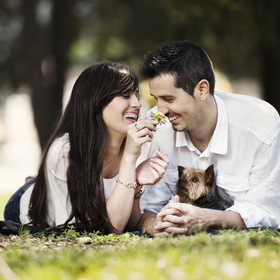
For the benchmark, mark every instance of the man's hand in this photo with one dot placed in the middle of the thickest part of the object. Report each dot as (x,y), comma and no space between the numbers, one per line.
(179,219)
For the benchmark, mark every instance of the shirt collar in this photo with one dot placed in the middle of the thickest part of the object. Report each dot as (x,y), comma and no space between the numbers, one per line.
(219,140)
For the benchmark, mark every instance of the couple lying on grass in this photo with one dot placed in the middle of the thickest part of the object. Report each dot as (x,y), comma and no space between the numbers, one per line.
(100,156)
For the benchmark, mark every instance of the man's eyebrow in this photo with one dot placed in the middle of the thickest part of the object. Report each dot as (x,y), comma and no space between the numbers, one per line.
(166,97)
(163,96)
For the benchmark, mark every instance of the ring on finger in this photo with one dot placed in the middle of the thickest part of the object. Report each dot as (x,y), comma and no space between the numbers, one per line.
(136,125)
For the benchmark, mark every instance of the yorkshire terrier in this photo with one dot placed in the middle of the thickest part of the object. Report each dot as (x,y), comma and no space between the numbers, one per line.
(197,187)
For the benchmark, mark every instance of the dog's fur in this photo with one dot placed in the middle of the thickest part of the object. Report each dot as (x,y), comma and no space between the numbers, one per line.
(197,187)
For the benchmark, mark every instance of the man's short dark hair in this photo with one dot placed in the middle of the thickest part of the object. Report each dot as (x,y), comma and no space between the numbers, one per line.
(186,61)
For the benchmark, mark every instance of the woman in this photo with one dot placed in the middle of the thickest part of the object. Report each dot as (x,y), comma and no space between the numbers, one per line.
(87,176)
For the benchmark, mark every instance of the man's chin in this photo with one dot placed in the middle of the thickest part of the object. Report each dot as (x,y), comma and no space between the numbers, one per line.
(177,128)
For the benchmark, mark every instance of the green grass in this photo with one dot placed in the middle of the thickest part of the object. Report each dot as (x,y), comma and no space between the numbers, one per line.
(3,200)
(227,255)
(253,254)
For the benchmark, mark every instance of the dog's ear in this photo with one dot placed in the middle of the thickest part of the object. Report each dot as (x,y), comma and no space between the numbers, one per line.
(180,171)
(209,175)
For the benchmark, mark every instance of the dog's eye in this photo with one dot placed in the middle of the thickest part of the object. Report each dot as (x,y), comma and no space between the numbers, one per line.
(193,179)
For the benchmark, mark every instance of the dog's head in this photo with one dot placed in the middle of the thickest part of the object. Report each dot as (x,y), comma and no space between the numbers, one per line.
(194,183)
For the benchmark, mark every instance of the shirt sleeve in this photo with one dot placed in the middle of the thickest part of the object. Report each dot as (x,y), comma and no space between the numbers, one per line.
(260,205)
(158,196)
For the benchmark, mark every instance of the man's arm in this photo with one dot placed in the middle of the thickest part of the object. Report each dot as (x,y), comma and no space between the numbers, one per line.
(147,222)
(260,205)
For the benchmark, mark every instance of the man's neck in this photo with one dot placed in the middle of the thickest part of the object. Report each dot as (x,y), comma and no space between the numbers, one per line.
(201,137)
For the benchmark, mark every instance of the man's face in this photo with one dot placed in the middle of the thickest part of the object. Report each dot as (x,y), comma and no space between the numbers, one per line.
(183,110)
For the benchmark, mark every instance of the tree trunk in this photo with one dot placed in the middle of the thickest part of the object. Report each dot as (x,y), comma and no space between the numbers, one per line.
(271,76)
(47,62)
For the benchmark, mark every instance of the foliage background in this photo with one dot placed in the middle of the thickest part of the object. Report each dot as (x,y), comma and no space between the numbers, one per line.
(40,42)
(41,39)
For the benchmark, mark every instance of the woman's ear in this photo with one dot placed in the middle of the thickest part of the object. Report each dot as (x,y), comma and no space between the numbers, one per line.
(202,89)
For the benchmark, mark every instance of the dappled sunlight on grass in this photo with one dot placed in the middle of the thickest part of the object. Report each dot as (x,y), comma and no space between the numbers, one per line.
(227,255)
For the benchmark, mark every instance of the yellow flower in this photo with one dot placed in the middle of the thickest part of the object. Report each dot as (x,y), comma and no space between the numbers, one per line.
(158,116)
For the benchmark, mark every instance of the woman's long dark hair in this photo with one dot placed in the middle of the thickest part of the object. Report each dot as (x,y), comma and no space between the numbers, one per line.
(82,119)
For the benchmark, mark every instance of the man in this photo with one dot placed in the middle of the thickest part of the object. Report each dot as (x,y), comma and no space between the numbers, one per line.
(239,134)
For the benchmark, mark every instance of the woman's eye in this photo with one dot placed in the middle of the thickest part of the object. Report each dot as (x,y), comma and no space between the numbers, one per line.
(193,179)
(126,96)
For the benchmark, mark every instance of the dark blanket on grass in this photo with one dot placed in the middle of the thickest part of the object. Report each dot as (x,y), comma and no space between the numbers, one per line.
(10,227)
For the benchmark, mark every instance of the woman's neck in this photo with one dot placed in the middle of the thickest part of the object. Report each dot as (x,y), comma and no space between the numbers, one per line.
(111,163)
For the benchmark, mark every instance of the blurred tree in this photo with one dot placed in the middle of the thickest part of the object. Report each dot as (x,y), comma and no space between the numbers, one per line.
(40,39)
(38,54)
(241,36)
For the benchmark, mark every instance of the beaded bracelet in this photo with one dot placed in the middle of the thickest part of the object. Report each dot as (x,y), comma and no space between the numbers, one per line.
(138,194)
(127,184)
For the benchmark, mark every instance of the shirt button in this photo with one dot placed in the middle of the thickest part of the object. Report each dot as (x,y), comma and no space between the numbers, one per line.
(202,163)
(253,128)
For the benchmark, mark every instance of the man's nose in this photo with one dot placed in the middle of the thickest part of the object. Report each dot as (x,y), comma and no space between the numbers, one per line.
(162,107)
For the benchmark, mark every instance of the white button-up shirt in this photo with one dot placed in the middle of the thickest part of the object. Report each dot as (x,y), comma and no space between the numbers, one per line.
(245,150)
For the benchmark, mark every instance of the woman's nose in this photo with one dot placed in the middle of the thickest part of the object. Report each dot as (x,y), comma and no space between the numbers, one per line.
(135,102)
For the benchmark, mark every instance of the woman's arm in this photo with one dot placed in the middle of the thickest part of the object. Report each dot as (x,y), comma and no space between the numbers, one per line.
(121,202)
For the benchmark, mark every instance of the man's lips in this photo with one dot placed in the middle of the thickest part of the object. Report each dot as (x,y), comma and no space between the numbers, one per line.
(173,118)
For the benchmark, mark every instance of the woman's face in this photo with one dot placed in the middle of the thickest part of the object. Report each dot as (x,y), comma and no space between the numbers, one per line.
(121,111)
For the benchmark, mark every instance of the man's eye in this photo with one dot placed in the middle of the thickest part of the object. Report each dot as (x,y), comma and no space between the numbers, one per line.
(194,180)
(169,100)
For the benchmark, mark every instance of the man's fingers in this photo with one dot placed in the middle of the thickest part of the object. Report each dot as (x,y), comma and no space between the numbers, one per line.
(174,219)
(177,230)
(170,211)
(172,230)
(161,234)
(182,207)
(163,225)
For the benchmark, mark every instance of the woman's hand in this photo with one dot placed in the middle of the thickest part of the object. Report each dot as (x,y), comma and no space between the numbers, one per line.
(151,170)
(139,133)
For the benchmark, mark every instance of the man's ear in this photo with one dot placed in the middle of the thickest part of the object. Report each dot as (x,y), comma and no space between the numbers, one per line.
(202,89)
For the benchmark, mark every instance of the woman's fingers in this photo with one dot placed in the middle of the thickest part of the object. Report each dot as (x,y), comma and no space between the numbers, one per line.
(145,123)
(163,156)
(142,124)
(142,131)
(157,170)
(159,164)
